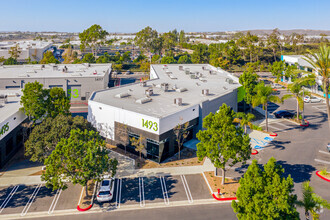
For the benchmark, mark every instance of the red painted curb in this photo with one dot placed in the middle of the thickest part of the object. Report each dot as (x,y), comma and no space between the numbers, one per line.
(273,134)
(224,199)
(255,152)
(85,209)
(305,125)
(319,175)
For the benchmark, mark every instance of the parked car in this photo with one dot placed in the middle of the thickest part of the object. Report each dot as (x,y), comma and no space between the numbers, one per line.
(312,99)
(105,191)
(328,147)
(277,86)
(283,114)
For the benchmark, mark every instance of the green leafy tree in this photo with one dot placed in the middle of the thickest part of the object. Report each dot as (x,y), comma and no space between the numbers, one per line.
(139,144)
(273,42)
(265,194)
(245,120)
(126,57)
(156,59)
(92,37)
(117,67)
(221,62)
(184,59)
(88,58)
(277,69)
(48,57)
(10,61)
(148,39)
(182,37)
(2,59)
(263,95)
(78,159)
(221,141)
(320,62)
(249,80)
(34,101)
(200,54)
(234,54)
(145,67)
(58,102)
(290,71)
(45,136)
(168,60)
(169,40)
(15,51)
(311,202)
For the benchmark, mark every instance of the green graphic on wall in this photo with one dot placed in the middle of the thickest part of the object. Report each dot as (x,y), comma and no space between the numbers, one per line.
(150,125)
(4,129)
(73,93)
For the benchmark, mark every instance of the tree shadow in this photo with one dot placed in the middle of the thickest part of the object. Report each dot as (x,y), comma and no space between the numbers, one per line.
(299,172)
(278,144)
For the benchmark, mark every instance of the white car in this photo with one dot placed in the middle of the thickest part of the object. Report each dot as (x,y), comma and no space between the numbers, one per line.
(105,191)
(277,86)
(312,99)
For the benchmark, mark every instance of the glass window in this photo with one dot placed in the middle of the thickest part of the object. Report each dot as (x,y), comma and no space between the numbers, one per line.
(9,146)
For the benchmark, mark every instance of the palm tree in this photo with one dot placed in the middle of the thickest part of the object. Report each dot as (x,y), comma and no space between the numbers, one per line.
(320,62)
(311,202)
(296,88)
(264,94)
(245,119)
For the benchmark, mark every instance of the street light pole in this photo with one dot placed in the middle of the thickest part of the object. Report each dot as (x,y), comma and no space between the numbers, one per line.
(302,115)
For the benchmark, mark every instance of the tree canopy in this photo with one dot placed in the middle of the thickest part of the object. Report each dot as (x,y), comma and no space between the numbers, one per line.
(265,193)
(92,37)
(78,159)
(222,141)
(48,57)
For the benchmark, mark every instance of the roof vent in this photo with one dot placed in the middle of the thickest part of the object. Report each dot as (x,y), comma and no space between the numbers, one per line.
(55,68)
(230,81)
(122,95)
(143,100)
(205,92)
(65,69)
(187,71)
(143,83)
(181,68)
(178,101)
(149,92)
(164,87)
(203,67)
(3,99)
(181,89)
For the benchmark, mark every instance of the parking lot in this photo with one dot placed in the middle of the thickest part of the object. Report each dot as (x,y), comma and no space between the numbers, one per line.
(281,126)
(140,191)
(163,190)
(23,199)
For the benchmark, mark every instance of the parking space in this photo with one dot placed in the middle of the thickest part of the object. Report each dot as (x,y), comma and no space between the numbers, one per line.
(281,126)
(22,199)
(319,106)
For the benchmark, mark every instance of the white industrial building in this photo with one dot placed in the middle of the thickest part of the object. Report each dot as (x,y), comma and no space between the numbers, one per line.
(174,94)
(29,49)
(11,118)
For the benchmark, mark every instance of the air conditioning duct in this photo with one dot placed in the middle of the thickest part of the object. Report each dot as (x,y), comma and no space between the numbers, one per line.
(181,90)
(178,101)
(149,92)
(143,100)
(143,83)
(122,95)
(180,67)
(205,92)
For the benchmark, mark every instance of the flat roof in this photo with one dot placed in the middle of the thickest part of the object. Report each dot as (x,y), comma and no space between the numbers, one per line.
(13,103)
(299,59)
(49,71)
(24,45)
(162,103)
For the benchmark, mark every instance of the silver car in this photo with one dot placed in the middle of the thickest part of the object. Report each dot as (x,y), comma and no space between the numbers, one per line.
(105,191)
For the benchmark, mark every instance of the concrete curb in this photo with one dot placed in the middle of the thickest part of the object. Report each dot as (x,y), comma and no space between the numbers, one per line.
(319,175)
(305,125)
(254,153)
(85,209)
(223,199)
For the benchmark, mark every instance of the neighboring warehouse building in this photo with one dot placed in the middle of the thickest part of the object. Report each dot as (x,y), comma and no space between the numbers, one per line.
(175,94)
(78,80)
(29,49)
(302,64)
(11,132)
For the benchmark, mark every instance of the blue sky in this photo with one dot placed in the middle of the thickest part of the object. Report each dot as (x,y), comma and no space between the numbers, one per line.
(189,15)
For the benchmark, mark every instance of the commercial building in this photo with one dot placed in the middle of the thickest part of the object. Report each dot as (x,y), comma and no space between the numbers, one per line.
(78,80)
(152,109)
(11,119)
(29,49)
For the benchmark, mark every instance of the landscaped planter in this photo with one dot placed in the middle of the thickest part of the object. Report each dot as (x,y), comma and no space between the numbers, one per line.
(322,177)
(85,209)
(273,134)
(254,152)
(223,199)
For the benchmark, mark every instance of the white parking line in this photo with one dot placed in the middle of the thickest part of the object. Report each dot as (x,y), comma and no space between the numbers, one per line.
(277,129)
(164,190)
(323,152)
(29,203)
(286,126)
(141,192)
(322,161)
(186,188)
(5,202)
(53,205)
(118,195)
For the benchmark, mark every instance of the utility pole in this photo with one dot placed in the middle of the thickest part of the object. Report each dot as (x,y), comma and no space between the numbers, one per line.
(302,115)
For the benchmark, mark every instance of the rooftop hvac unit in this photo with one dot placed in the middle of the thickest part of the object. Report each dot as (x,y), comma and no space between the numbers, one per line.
(122,95)
(193,76)
(178,101)
(143,83)
(55,68)
(181,89)
(65,69)
(164,87)
(187,71)
(149,92)
(180,67)
(230,81)
(203,67)
(143,100)
(205,92)
(3,98)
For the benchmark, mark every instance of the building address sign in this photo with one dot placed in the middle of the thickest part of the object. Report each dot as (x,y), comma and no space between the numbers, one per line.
(150,125)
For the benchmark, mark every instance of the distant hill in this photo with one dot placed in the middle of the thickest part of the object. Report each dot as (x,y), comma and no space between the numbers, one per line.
(288,32)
